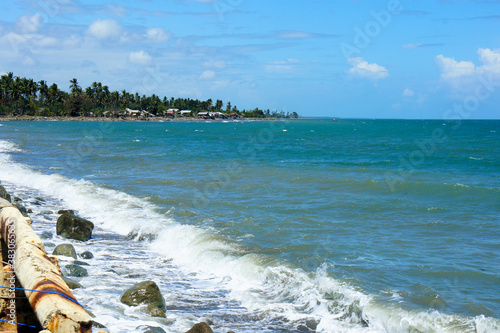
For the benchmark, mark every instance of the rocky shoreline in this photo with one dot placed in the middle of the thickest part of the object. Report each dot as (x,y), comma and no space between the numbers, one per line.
(145,295)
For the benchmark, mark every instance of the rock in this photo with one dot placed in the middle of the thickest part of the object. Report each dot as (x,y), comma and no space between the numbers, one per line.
(154,311)
(65,250)
(22,209)
(49,244)
(200,328)
(46,235)
(146,292)
(97,325)
(90,313)
(151,329)
(4,194)
(63,211)
(74,227)
(17,199)
(75,270)
(86,255)
(72,284)
(47,212)
(81,263)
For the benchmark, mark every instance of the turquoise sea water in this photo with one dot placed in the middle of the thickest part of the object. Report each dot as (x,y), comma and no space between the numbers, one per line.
(277,226)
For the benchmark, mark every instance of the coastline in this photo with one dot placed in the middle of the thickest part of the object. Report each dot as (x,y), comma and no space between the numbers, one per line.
(125,119)
(139,296)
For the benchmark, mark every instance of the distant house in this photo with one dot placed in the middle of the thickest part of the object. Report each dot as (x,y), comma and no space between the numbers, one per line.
(132,113)
(185,113)
(171,112)
(204,115)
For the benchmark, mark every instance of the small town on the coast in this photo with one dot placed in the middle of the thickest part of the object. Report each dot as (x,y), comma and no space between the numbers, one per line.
(24,98)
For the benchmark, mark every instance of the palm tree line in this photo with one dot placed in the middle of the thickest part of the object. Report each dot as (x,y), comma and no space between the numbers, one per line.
(21,96)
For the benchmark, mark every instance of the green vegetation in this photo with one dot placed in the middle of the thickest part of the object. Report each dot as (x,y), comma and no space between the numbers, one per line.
(26,97)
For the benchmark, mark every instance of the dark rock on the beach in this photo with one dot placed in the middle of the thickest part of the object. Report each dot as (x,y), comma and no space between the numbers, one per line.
(22,209)
(154,311)
(46,235)
(47,212)
(81,263)
(49,244)
(97,325)
(30,211)
(17,199)
(75,270)
(63,211)
(86,255)
(72,284)
(90,313)
(67,250)
(4,194)
(200,328)
(146,292)
(74,227)
(151,329)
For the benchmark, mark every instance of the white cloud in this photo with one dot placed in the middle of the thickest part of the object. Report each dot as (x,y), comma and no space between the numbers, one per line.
(361,68)
(408,92)
(43,41)
(294,34)
(29,61)
(282,66)
(452,69)
(29,23)
(219,64)
(490,60)
(157,35)
(411,46)
(105,29)
(464,73)
(207,75)
(140,58)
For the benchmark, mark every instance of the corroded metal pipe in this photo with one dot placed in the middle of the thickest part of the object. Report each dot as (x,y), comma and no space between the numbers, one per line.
(58,313)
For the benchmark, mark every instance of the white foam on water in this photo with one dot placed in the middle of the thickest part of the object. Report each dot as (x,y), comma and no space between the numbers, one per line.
(270,290)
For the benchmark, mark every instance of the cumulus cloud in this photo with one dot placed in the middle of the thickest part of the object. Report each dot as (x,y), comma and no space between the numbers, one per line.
(29,23)
(105,29)
(361,68)
(207,75)
(490,60)
(140,58)
(454,71)
(157,35)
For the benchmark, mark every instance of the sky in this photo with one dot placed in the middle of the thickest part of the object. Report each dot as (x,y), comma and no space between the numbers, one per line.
(436,59)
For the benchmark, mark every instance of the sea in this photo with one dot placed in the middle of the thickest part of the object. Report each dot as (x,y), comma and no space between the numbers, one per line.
(307,225)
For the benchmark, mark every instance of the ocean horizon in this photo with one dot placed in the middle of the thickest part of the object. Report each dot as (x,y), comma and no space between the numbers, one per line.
(303,225)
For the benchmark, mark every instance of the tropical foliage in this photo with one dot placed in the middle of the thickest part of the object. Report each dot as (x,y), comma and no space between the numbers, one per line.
(26,97)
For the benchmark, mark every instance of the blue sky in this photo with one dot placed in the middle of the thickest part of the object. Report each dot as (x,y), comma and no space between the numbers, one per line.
(362,59)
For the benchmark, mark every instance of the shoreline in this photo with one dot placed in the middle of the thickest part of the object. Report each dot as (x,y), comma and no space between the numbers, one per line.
(126,119)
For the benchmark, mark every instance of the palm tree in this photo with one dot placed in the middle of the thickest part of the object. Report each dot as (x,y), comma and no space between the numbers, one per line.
(44,90)
(74,87)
